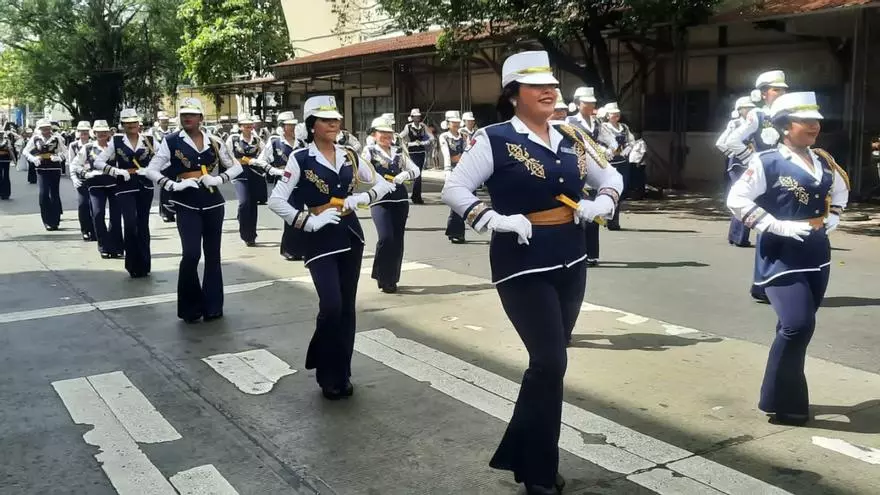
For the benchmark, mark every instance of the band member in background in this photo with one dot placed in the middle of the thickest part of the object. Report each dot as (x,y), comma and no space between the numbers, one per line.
(560,110)
(470,125)
(452,146)
(46,151)
(126,154)
(8,159)
(273,159)
(737,234)
(794,196)
(84,209)
(346,138)
(158,132)
(534,170)
(183,164)
(246,148)
(415,138)
(390,212)
(324,175)
(624,141)
(102,192)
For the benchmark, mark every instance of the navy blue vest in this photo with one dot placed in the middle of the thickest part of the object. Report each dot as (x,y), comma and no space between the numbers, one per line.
(594,134)
(126,157)
(102,181)
(49,146)
(388,168)
(416,136)
(317,185)
(755,139)
(620,138)
(526,179)
(7,150)
(456,146)
(792,194)
(241,149)
(280,152)
(185,159)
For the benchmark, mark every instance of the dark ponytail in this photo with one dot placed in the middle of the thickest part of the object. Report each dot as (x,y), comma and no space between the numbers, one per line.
(505,107)
(310,129)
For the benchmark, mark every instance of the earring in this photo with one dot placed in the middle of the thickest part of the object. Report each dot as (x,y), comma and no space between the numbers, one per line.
(785,132)
(513,102)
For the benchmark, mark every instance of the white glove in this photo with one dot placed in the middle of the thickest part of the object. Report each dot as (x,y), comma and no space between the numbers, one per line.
(121,172)
(588,210)
(326,217)
(77,183)
(35,160)
(184,184)
(789,228)
(276,172)
(384,187)
(517,224)
(770,136)
(401,177)
(211,180)
(91,174)
(831,223)
(56,159)
(352,202)
(142,172)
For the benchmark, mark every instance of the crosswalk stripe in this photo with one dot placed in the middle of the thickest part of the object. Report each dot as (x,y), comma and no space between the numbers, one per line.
(253,372)
(202,480)
(37,314)
(625,450)
(144,423)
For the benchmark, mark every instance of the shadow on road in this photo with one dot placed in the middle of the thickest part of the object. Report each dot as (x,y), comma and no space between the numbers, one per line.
(651,264)
(637,341)
(661,231)
(426,229)
(849,302)
(442,289)
(863,417)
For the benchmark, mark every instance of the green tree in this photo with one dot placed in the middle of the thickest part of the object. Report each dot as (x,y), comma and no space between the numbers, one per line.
(228,39)
(574,32)
(91,56)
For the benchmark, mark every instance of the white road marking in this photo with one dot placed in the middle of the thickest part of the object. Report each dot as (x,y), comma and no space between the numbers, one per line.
(632,319)
(202,480)
(623,450)
(253,372)
(866,454)
(628,318)
(144,423)
(677,329)
(127,467)
(474,328)
(73,309)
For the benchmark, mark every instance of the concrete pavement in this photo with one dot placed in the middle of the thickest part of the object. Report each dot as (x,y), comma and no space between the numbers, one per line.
(660,390)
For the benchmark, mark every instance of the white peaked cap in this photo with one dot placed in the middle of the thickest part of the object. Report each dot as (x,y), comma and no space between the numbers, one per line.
(245,119)
(129,115)
(743,102)
(224,118)
(453,116)
(381,124)
(162,115)
(322,107)
(560,102)
(43,123)
(772,79)
(467,116)
(83,125)
(528,68)
(191,106)
(101,126)
(389,117)
(585,94)
(796,105)
(287,118)
(415,112)
(611,108)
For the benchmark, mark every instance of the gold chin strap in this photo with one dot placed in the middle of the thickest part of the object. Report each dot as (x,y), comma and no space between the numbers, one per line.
(535,70)
(327,108)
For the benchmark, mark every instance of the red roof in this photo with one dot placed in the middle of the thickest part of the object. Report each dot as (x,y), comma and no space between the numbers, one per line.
(372,47)
(780,8)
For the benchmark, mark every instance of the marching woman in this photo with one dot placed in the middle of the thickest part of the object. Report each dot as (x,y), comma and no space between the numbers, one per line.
(623,141)
(793,196)
(530,167)
(159,131)
(102,191)
(389,213)
(7,159)
(84,210)
(183,164)
(324,175)
(129,152)
(45,151)
(273,159)
(452,145)
(737,234)
(417,140)
(246,147)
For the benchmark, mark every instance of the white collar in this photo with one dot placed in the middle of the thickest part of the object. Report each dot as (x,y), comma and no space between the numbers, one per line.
(815,170)
(251,140)
(555,137)
(340,157)
(390,156)
(588,122)
(453,136)
(127,142)
(206,141)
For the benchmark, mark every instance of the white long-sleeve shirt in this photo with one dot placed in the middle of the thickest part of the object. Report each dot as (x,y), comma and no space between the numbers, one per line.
(478,164)
(60,151)
(605,139)
(162,159)
(72,153)
(110,151)
(278,201)
(753,184)
(721,142)
(407,165)
(613,132)
(266,155)
(444,148)
(738,138)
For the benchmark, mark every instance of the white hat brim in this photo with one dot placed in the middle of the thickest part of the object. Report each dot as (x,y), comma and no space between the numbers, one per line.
(190,111)
(454,119)
(776,85)
(806,115)
(129,120)
(101,129)
(328,114)
(587,99)
(537,79)
(84,128)
(383,128)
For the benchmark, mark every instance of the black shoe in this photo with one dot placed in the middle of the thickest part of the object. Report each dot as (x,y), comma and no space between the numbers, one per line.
(418,201)
(213,317)
(261,203)
(613,227)
(250,243)
(138,274)
(168,219)
(456,240)
(789,419)
(337,393)
(50,228)
(189,320)
(4,198)
(746,245)
(390,289)
(560,482)
(87,238)
(117,256)
(592,262)
(542,490)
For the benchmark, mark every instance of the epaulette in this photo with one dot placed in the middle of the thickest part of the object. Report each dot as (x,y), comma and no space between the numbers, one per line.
(830,159)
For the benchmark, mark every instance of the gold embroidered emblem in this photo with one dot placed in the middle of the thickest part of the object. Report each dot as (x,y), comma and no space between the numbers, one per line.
(791,184)
(120,155)
(322,186)
(183,159)
(519,154)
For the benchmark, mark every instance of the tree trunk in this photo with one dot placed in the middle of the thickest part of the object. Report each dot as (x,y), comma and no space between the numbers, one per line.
(603,61)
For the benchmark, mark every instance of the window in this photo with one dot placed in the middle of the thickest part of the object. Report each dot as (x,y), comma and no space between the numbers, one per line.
(367,108)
